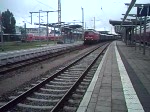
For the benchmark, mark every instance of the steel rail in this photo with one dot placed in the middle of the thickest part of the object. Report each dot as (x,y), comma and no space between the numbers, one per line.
(68,94)
(23,96)
(10,67)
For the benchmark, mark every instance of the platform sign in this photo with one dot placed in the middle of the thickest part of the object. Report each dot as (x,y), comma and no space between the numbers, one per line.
(143,11)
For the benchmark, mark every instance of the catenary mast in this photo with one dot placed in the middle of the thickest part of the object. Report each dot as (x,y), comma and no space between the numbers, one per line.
(59,12)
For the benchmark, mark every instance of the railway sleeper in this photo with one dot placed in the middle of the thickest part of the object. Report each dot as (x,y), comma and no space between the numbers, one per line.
(83,86)
(42,100)
(74,102)
(34,107)
(44,78)
(68,75)
(75,95)
(12,97)
(48,95)
(89,76)
(76,69)
(68,109)
(74,74)
(73,71)
(91,73)
(65,81)
(84,83)
(87,80)
(43,96)
(58,86)
(60,83)
(27,88)
(80,90)
(66,78)
(65,72)
(53,90)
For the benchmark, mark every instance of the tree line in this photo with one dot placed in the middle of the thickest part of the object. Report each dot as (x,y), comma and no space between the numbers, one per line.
(8,22)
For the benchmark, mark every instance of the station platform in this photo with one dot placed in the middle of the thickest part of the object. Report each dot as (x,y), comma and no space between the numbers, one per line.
(121,82)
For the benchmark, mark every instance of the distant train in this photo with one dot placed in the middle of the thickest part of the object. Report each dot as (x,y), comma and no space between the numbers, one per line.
(93,37)
(31,37)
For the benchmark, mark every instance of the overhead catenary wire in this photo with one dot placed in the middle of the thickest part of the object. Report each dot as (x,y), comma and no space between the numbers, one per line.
(45,4)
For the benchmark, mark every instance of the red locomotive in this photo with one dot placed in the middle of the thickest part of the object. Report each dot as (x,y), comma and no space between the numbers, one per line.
(91,36)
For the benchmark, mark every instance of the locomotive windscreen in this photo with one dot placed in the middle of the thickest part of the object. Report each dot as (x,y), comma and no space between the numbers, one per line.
(88,33)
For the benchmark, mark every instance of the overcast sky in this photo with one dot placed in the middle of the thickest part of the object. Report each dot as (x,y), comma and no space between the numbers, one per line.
(102,10)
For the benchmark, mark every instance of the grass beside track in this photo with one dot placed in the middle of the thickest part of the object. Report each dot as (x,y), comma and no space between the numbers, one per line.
(10,46)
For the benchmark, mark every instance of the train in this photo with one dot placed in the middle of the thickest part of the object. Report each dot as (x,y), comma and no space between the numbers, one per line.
(31,37)
(92,37)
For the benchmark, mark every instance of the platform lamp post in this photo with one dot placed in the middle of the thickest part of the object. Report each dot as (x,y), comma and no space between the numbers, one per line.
(82,22)
(1,30)
(62,24)
(47,30)
(136,20)
(94,23)
(140,33)
(39,22)
(145,19)
(141,20)
(25,31)
(85,25)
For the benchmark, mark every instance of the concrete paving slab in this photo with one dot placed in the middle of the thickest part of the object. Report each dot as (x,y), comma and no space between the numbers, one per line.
(113,91)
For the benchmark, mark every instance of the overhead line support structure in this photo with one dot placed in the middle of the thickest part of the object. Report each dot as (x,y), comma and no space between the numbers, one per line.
(145,21)
(59,12)
(40,11)
(127,12)
(82,21)
(1,31)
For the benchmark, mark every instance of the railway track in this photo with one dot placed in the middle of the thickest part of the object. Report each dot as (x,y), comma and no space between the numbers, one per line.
(13,66)
(51,93)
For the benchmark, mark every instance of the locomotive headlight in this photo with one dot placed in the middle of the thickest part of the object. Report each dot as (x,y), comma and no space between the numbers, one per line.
(84,39)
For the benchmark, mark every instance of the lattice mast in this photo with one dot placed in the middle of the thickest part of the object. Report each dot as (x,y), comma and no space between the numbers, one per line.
(59,12)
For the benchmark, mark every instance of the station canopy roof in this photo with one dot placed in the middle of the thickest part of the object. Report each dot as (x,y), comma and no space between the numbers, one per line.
(75,26)
(115,22)
(103,32)
(71,27)
(126,24)
(56,25)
